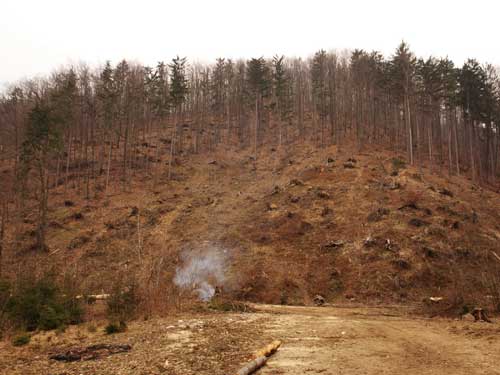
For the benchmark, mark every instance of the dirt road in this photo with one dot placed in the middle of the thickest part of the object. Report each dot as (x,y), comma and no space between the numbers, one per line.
(316,340)
(378,341)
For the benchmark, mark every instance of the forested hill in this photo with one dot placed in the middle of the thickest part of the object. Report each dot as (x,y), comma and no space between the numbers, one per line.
(89,118)
(121,167)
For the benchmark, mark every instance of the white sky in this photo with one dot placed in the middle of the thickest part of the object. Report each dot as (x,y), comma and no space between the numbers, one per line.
(37,36)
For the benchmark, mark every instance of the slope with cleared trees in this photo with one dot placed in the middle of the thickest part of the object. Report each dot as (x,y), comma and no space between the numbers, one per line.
(130,191)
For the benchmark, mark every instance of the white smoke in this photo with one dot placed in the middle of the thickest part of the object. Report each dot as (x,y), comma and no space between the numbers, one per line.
(202,271)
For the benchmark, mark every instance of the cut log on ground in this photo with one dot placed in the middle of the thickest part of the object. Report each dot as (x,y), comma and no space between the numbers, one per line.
(90,352)
(96,297)
(260,360)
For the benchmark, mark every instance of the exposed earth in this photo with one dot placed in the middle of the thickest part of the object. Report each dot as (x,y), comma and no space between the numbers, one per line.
(315,340)
(360,228)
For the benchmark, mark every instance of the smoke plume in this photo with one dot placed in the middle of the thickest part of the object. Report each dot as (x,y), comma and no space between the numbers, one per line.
(202,271)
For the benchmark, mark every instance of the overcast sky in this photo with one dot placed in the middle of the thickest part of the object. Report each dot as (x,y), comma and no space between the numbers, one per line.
(37,36)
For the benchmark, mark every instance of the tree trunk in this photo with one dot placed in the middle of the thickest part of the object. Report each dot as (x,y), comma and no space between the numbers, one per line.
(256,123)
(471,151)
(3,225)
(108,167)
(67,164)
(408,127)
(43,204)
(457,153)
(172,142)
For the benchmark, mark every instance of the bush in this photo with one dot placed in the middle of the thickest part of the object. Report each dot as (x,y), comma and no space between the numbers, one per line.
(73,307)
(41,304)
(51,317)
(123,302)
(21,340)
(113,328)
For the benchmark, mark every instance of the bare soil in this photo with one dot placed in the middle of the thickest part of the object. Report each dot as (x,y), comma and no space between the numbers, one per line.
(379,341)
(316,340)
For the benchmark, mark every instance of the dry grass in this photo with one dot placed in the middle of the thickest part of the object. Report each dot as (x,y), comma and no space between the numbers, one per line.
(279,255)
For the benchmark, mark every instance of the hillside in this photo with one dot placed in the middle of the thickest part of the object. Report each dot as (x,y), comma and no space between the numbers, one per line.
(296,222)
(216,188)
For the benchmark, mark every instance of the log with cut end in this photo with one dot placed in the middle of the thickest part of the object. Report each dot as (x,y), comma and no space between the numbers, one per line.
(268,350)
(261,358)
(253,366)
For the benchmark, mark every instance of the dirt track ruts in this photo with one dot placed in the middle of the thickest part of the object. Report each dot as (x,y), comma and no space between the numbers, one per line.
(367,341)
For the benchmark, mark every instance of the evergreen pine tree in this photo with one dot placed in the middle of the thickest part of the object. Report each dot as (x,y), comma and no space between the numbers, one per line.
(178,91)
(257,80)
(319,88)
(43,140)
(403,65)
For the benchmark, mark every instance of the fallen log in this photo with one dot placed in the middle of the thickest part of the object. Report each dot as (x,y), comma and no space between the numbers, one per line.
(261,358)
(96,297)
(252,366)
(90,353)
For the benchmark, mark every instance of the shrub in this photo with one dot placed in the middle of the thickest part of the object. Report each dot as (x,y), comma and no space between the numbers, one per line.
(21,340)
(30,302)
(123,302)
(42,304)
(51,317)
(72,305)
(113,328)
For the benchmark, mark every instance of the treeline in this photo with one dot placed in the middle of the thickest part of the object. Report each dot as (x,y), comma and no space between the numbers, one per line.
(74,127)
